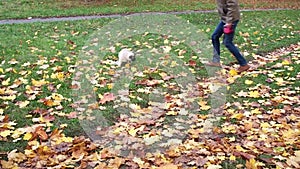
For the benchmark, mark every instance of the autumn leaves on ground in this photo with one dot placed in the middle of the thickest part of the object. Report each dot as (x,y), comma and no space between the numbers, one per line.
(151,120)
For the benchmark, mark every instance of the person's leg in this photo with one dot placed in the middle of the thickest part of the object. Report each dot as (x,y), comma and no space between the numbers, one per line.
(228,42)
(216,42)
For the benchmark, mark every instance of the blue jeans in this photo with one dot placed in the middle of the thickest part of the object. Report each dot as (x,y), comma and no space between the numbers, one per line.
(228,42)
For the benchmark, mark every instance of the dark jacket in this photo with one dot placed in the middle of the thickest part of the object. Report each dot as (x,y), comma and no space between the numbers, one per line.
(228,10)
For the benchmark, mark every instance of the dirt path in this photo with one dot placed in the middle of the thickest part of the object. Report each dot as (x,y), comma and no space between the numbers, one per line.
(72,18)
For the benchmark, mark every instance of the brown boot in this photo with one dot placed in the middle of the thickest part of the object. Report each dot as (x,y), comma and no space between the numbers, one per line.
(213,64)
(243,68)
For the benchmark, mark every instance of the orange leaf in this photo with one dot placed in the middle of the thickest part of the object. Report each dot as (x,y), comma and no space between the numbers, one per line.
(49,103)
(41,133)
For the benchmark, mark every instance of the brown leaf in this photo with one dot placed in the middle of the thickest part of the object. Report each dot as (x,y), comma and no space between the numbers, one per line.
(8,164)
(192,63)
(6,119)
(248,126)
(55,133)
(41,133)
(146,82)
(245,155)
(74,86)
(200,161)
(107,98)
(40,111)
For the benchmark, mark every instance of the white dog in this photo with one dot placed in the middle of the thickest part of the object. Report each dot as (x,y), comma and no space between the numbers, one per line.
(125,55)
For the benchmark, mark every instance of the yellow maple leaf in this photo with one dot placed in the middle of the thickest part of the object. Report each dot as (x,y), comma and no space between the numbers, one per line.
(118,130)
(11,97)
(240,148)
(248,82)
(255,111)
(133,132)
(232,158)
(173,64)
(254,94)
(285,62)
(265,125)
(27,136)
(233,72)
(67,139)
(5,133)
(16,134)
(38,83)
(110,85)
(289,134)
(57,97)
(251,164)
(237,116)
(171,113)
(6,82)
(229,129)
(203,105)
(60,76)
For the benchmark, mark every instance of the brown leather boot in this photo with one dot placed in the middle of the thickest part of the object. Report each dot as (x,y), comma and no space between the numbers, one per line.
(243,68)
(213,64)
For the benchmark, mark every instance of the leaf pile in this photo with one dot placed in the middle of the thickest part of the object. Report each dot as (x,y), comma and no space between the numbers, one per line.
(262,128)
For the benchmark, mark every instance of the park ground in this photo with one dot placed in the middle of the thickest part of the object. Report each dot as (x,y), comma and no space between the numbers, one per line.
(42,125)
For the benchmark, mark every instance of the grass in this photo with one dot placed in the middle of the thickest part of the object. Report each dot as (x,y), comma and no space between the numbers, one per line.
(29,8)
(57,45)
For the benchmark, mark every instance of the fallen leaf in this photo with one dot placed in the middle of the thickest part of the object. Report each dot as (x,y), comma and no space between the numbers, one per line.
(192,63)
(251,164)
(214,167)
(107,98)
(27,136)
(248,82)
(168,166)
(233,72)
(41,133)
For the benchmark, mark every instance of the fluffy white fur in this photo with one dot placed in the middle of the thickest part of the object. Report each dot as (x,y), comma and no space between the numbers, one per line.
(125,55)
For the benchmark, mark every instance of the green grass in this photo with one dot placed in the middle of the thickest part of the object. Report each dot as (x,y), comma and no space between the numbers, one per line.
(30,8)
(31,43)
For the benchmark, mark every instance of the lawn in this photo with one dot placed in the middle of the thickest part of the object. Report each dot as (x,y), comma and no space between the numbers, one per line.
(41,124)
(29,8)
